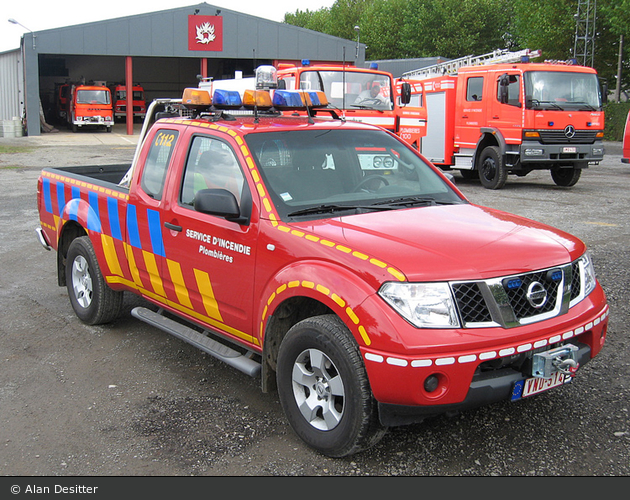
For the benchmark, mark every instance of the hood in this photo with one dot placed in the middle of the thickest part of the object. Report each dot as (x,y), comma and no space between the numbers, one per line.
(452,242)
(581,120)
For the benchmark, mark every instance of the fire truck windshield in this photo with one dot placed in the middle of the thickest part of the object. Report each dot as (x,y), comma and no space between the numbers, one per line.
(326,173)
(562,91)
(92,97)
(349,89)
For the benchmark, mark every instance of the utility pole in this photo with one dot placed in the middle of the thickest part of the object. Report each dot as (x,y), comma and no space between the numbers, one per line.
(584,48)
(619,66)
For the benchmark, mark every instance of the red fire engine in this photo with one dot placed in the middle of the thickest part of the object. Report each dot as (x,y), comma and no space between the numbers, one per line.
(364,95)
(499,114)
(119,95)
(625,157)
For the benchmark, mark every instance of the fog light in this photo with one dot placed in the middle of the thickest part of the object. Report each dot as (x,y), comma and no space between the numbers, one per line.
(598,151)
(431,383)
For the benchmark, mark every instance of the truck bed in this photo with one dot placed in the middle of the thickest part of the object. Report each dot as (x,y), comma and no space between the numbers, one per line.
(109,175)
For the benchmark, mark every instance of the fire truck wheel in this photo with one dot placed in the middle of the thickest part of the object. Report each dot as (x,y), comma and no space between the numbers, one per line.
(566,177)
(492,171)
(324,389)
(92,300)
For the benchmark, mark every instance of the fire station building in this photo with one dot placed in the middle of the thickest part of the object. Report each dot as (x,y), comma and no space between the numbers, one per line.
(163,51)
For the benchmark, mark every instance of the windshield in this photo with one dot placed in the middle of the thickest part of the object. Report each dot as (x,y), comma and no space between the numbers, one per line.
(562,90)
(92,97)
(327,173)
(350,90)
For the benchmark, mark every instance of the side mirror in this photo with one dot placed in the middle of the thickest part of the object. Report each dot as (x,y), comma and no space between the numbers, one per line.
(405,93)
(504,82)
(220,202)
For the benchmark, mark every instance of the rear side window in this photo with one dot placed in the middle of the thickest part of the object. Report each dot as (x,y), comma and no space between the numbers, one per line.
(474,88)
(156,165)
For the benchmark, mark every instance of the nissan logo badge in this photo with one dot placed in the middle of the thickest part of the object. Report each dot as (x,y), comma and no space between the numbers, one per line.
(536,295)
(569,131)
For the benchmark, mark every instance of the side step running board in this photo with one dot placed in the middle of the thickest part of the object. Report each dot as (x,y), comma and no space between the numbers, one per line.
(222,352)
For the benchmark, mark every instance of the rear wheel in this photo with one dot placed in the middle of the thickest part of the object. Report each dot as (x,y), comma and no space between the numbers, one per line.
(492,171)
(92,300)
(324,389)
(566,177)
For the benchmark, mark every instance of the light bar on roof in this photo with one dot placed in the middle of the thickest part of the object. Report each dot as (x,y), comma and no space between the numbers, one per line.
(196,98)
(257,99)
(227,99)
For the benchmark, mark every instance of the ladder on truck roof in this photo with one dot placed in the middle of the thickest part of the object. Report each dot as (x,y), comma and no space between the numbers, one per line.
(451,67)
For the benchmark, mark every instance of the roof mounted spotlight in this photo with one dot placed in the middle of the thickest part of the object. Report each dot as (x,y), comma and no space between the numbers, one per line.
(266,77)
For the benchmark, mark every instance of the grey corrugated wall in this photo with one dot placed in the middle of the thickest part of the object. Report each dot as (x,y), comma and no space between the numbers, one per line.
(10,68)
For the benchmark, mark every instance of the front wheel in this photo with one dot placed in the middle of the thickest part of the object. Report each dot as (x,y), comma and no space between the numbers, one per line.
(324,389)
(93,301)
(492,171)
(566,177)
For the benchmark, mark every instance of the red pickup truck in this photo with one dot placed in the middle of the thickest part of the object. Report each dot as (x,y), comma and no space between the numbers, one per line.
(329,259)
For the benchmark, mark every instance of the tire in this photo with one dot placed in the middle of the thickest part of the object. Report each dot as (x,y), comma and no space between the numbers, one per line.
(492,171)
(566,177)
(93,301)
(324,389)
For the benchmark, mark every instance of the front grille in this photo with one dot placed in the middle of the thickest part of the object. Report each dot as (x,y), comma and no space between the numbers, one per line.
(472,306)
(518,296)
(558,136)
(518,299)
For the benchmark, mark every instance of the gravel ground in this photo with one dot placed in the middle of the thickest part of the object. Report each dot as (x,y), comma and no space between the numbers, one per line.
(128,400)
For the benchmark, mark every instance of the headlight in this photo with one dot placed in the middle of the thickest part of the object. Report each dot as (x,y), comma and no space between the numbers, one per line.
(424,305)
(586,266)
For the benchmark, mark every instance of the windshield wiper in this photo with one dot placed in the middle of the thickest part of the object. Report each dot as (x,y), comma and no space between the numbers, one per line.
(408,201)
(332,208)
(551,104)
(586,105)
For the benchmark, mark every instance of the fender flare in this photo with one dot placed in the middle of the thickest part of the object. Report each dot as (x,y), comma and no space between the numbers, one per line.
(484,139)
(335,286)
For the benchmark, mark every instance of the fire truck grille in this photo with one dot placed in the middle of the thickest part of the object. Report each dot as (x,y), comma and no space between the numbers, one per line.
(558,136)
(516,300)
(472,306)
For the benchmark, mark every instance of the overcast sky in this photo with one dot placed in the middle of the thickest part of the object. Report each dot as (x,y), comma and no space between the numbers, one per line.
(37,15)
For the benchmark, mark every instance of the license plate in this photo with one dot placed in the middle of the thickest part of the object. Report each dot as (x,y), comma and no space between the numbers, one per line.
(536,385)
(569,150)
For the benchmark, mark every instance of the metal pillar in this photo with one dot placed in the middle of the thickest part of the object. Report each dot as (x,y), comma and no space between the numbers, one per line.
(129,93)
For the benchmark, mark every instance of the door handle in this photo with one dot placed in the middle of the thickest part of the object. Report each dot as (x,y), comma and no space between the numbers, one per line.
(173,226)
(495,117)
(465,116)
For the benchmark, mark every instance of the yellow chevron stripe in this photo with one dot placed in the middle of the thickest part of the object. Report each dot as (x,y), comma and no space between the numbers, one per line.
(110,255)
(133,268)
(207,294)
(154,273)
(177,277)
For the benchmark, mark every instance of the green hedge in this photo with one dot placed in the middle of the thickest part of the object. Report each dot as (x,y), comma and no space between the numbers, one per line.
(616,113)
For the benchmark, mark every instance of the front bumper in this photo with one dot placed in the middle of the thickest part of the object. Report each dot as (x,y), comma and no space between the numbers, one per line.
(473,374)
(534,152)
(93,120)
(486,388)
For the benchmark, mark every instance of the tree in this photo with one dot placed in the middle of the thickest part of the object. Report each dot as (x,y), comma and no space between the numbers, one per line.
(400,29)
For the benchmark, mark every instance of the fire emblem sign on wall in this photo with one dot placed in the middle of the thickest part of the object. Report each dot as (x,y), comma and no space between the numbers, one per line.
(205,33)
